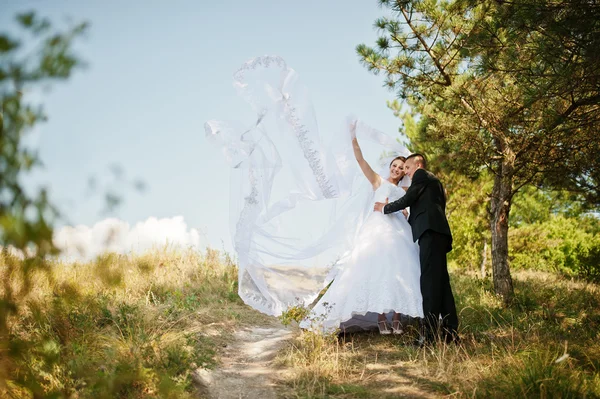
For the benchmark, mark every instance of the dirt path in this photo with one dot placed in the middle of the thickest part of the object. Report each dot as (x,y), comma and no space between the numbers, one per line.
(246,370)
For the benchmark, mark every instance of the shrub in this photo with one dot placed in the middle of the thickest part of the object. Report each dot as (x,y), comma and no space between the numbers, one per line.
(560,244)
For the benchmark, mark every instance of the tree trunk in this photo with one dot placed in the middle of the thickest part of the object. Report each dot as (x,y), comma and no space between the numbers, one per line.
(500,208)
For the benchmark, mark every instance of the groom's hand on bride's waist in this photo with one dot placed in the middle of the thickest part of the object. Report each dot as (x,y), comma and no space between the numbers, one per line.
(379,206)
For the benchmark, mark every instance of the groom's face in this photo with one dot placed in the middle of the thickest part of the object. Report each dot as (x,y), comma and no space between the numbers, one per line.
(410,167)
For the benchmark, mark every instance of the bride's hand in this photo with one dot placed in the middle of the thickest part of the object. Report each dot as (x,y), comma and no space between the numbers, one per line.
(353,130)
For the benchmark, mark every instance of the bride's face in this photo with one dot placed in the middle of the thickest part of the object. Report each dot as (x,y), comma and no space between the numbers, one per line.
(397,169)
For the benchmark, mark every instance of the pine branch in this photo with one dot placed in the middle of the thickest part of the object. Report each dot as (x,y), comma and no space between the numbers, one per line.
(447,80)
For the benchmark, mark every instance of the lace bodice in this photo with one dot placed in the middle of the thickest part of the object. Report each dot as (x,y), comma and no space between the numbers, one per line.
(389,191)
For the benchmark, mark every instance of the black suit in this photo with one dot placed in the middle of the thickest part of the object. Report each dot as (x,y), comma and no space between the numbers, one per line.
(429,225)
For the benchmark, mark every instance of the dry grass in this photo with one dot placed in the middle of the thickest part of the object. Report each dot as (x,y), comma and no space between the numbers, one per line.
(546,345)
(122,326)
(130,327)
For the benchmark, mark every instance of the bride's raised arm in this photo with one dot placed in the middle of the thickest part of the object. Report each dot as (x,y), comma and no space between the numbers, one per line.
(370,174)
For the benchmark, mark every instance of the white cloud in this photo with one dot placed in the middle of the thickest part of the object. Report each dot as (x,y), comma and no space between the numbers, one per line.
(114,235)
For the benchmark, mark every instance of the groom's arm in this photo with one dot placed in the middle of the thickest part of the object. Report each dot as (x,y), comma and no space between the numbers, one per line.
(408,200)
(414,191)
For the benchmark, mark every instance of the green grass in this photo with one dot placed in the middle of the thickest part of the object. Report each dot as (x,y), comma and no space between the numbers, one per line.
(121,326)
(505,352)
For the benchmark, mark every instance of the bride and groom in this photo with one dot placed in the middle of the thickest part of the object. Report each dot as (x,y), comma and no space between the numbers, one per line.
(283,177)
(389,273)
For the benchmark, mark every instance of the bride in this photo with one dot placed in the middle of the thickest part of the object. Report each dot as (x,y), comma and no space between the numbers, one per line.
(382,275)
(301,211)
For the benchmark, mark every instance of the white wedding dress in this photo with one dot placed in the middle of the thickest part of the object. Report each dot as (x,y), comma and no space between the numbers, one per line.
(381,276)
(301,210)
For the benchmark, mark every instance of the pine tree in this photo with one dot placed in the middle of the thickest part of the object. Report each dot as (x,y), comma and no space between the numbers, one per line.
(513,87)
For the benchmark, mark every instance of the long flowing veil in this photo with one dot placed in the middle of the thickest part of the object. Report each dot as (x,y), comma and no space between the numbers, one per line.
(296,202)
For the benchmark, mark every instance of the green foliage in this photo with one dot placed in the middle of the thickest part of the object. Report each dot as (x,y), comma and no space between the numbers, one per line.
(511,86)
(567,245)
(588,265)
(26,219)
(467,211)
(444,156)
(534,205)
(294,313)
(550,230)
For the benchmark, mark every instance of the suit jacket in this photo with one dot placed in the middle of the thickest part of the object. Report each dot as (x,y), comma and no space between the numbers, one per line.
(427,203)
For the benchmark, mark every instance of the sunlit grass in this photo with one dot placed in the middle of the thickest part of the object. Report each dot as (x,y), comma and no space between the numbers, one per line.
(547,344)
(137,326)
(122,326)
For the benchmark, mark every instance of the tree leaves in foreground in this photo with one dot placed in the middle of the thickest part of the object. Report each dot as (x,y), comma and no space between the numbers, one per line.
(116,327)
(38,57)
(511,87)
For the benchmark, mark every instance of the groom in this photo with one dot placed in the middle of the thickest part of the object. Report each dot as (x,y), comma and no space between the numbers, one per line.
(427,203)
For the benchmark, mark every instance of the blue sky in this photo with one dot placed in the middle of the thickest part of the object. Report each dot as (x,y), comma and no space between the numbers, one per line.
(158,70)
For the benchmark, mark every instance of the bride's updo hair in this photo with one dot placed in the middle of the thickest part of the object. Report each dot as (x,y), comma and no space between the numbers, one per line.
(403,159)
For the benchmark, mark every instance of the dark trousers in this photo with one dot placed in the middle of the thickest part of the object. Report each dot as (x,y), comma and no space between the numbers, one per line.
(435,286)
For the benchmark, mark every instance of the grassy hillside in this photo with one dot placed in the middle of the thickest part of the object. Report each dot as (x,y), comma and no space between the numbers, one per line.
(137,327)
(122,326)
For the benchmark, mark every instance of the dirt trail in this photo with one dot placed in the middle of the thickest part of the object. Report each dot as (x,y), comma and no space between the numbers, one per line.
(246,369)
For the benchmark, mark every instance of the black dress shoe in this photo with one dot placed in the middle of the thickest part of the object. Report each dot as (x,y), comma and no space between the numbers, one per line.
(451,337)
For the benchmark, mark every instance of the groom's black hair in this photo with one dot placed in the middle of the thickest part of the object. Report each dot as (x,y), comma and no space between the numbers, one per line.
(420,158)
